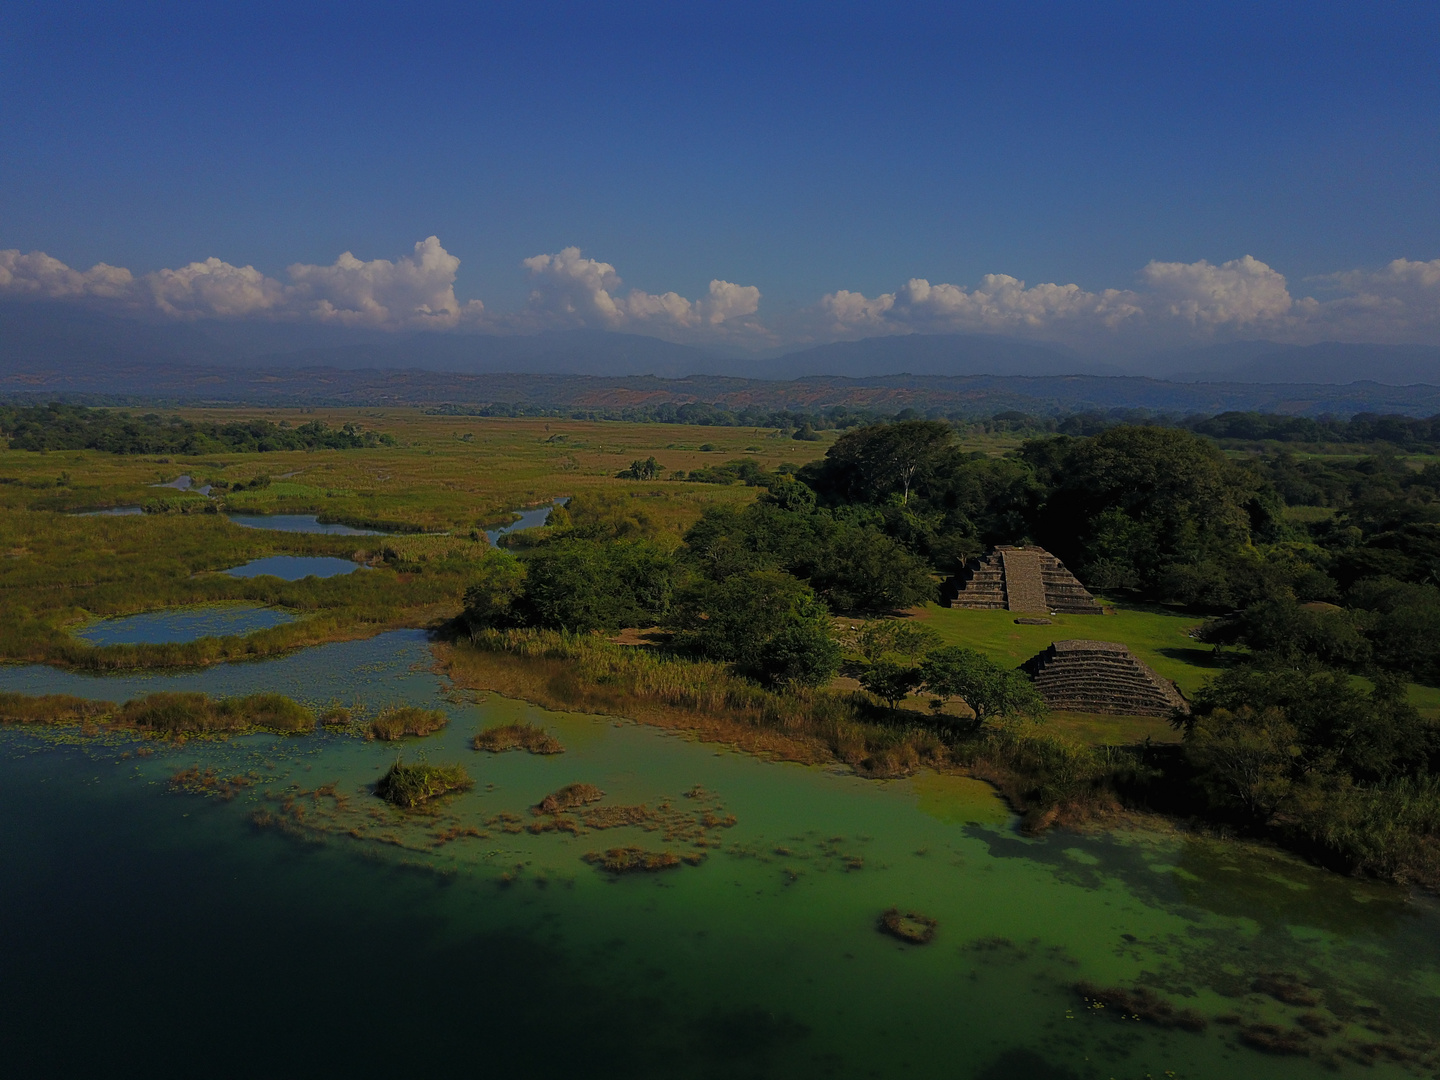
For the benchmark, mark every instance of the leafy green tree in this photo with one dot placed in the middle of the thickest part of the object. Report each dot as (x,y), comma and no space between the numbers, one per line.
(1141,507)
(770,625)
(890,681)
(585,585)
(1245,758)
(1341,729)
(1290,632)
(499,583)
(989,690)
(884,460)
(649,469)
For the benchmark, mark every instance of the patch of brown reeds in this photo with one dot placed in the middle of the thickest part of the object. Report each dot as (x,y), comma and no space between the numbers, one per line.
(630,860)
(568,798)
(531,738)
(397,721)
(911,926)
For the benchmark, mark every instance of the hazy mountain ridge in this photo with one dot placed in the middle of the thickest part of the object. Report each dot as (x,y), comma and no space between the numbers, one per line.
(58,344)
(975,395)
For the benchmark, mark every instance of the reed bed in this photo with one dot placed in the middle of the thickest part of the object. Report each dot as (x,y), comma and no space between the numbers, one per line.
(590,674)
(398,721)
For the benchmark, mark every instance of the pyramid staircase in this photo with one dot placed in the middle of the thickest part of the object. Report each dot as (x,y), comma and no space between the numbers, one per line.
(1101,676)
(1020,579)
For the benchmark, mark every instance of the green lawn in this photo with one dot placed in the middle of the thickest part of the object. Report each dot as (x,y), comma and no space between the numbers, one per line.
(1157,636)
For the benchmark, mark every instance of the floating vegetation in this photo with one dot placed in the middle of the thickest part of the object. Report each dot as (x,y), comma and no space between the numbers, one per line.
(1273,1039)
(1140,1003)
(630,860)
(1287,989)
(197,781)
(408,786)
(912,926)
(531,738)
(397,721)
(568,798)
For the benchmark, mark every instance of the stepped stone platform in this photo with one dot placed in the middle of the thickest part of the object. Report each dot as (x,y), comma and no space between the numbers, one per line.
(1101,676)
(1023,579)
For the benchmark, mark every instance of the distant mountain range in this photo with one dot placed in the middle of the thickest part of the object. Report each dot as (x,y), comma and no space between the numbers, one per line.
(56,343)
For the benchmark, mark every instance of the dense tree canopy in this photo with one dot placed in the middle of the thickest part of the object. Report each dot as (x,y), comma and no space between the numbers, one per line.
(75,427)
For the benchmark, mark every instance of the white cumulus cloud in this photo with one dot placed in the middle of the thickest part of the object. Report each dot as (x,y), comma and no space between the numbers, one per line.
(413,291)
(40,277)
(571,290)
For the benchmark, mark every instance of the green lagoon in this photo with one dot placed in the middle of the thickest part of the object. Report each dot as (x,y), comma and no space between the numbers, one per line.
(293,924)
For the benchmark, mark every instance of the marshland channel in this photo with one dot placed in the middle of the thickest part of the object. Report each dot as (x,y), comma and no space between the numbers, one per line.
(352,937)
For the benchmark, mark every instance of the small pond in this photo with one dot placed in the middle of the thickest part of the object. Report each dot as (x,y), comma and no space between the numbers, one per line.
(112,511)
(185,483)
(182,624)
(529,519)
(295,567)
(304,523)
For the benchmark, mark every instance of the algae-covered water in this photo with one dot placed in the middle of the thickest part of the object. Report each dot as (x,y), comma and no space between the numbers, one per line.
(303,927)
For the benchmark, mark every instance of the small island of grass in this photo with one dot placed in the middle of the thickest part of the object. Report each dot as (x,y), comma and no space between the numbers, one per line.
(568,798)
(531,738)
(397,721)
(407,786)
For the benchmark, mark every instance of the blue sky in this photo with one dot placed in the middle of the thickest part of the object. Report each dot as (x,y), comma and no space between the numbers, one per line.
(804,151)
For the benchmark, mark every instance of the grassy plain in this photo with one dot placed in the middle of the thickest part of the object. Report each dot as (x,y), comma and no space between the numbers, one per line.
(447,478)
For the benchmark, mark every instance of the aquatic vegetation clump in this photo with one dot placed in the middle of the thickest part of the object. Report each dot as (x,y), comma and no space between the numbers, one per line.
(1273,1039)
(173,713)
(912,926)
(50,708)
(568,798)
(630,860)
(397,721)
(408,786)
(1286,988)
(531,738)
(1140,1003)
(198,781)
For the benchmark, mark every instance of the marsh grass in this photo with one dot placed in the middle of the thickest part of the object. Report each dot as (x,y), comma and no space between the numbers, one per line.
(631,860)
(407,786)
(531,738)
(590,674)
(51,709)
(61,572)
(568,798)
(398,721)
(166,714)
(188,713)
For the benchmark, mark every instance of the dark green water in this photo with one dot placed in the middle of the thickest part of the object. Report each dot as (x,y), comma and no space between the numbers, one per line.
(156,932)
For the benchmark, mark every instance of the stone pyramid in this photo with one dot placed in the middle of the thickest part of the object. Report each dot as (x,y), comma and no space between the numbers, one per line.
(1021,579)
(1101,676)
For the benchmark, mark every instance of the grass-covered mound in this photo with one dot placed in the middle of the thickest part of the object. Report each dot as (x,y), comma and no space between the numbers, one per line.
(50,709)
(398,721)
(568,798)
(408,786)
(529,737)
(910,926)
(188,713)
